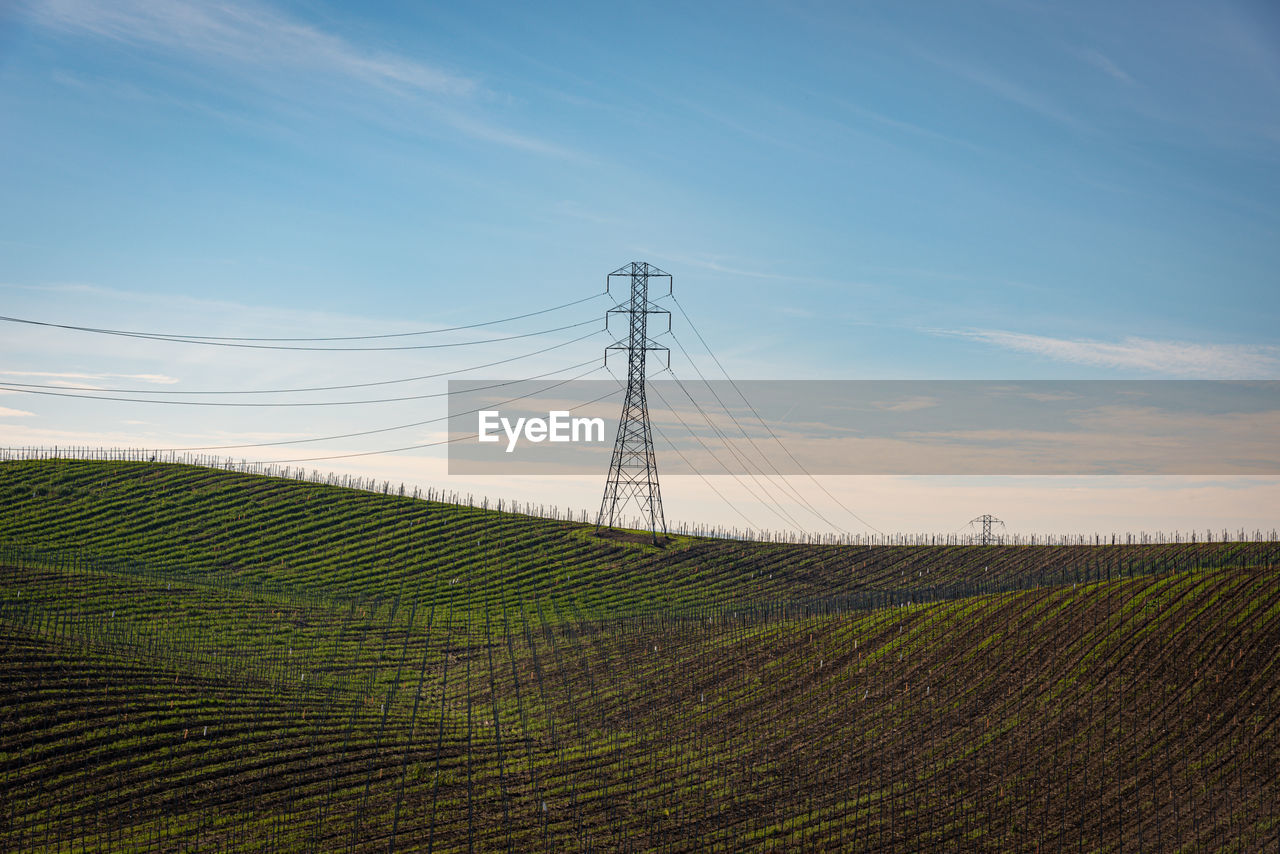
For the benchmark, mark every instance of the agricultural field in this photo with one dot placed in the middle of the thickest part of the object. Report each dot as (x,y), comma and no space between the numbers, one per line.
(196,660)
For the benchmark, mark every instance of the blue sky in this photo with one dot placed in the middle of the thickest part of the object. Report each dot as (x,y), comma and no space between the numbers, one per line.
(881,190)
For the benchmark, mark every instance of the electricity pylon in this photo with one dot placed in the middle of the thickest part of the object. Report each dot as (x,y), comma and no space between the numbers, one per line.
(633,471)
(987,521)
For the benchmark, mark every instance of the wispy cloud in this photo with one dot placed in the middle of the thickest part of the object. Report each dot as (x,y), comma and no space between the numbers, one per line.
(720,265)
(715,264)
(1105,64)
(256,41)
(1171,358)
(905,126)
(1003,87)
(906,404)
(6,412)
(1020,95)
(245,33)
(159,379)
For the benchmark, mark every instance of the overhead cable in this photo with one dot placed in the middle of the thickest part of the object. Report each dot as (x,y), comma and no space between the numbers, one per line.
(174,336)
(288,403)
(780,512)
(705,480)
(15,385)
(397,426)
(796,494)
(763,424)
(214,343)
(424,444)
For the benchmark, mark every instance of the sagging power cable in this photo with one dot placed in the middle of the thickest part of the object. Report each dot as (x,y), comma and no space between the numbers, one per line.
(428,444)
(764,424)
(710,485)
(175,336)
(780,511)
(215,343)
(377,430)
(17,385)
(288,403)
(791,490)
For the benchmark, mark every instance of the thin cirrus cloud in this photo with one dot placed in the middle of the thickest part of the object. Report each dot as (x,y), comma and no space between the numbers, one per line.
(1172,358)
(906,404)
(247,34)
(1001,86)
(252,36)
(1106,65)
(55,376)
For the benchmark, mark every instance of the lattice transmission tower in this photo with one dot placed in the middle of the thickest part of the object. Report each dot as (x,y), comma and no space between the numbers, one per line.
(987,521)
(633,470)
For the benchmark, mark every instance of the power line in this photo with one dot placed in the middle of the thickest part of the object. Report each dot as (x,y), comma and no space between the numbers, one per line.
(763,424)
(425,444)
(794,493)
(236,403)
(710,485)
(175,336)
(785,482)
(397,426)
(780,513)
(311,388)
(213,343)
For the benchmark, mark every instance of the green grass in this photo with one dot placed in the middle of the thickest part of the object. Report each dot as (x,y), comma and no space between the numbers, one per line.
(323,539)
(198,660)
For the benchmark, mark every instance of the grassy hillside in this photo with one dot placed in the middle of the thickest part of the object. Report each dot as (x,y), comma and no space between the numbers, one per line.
(303,668)
(344,541)
(1137,715)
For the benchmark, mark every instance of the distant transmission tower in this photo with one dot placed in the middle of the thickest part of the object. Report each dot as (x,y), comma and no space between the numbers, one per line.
(987,521)
(633,471)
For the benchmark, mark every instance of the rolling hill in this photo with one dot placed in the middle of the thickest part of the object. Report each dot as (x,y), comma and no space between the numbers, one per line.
(202,660)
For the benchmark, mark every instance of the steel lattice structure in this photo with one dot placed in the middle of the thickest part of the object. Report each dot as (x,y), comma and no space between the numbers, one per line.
(987,521)
(633,470)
